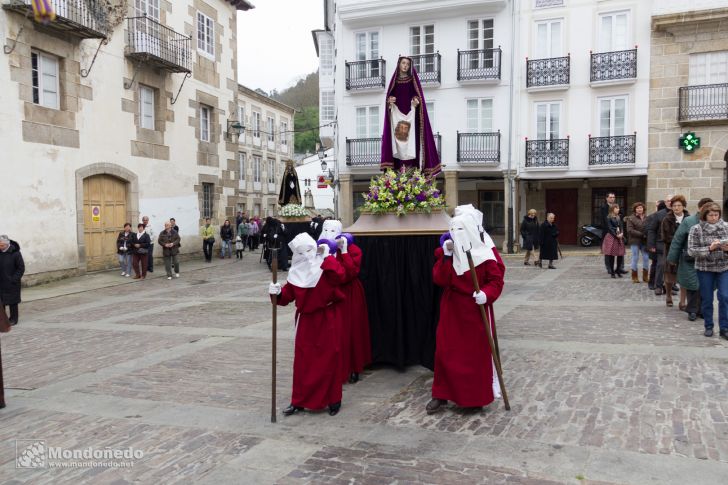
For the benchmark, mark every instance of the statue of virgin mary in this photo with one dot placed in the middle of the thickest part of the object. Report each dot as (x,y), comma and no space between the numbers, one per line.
(407,139)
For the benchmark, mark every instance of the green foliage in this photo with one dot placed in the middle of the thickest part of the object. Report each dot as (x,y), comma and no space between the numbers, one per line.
(305,141)
(304,97)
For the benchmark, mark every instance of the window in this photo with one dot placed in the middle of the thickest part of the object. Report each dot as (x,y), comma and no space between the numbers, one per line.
(613,31)
(430,105)
(241,115)
(708,68)
(271,129)
(271,171)
(45,80)
(208,191)
(205,35)
(613,116)
(284,134)
(256,210)
(367,122)
(548,121)
(205,112)
(328,111)
(256,124)
(241,166)
(548,39)
(150,8)
(326,55)
(492,206)
(480,115)
(256,168)
(480,36)
(367,48)
(422,41)
(146,107)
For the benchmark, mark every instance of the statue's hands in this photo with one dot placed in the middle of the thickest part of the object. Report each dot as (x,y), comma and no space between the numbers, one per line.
(415,101)
(391,100)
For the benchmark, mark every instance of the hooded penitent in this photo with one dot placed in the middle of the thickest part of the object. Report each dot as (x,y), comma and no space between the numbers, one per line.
(465,236)
(469,209)
(305,269)
(330,230)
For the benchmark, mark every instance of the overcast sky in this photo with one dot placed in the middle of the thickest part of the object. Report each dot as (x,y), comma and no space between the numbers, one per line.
(275,47)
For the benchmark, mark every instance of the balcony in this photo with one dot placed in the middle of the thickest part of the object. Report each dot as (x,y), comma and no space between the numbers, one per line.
(150,42)
(548,74)
(547,153)
(706,103)
(548,3)
(606,151)
(479,148)
(428,67)
(615,67)
(85,19)
(365,74)
(363,152)
(479,65)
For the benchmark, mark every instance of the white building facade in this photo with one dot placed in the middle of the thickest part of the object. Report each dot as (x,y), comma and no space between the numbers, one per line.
(108,114)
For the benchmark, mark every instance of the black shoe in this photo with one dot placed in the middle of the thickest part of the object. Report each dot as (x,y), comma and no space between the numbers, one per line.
(435,405)
(2,405)
(526,263)
(291,410)
(612,275)
(723,334)
(651,287)
(354,378)
(334,408)
(619,274)
(708,332)
(621,271)
(692,317)
(13,322)
(551,266)
(150,270)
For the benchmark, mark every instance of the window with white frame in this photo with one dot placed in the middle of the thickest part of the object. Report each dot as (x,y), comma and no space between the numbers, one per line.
(205,122)
(241,115)
(614,31)
(367,122)
(271,171)
(208,193)
(480,36)
(613,116)
(480,115)
(328,112)
(548,39)
(205,35)
(146,107)
(708,68)
(548,120)
(326,55)
(241,166)
(367,48)
(422,41)
(271,129)
(44,71)
(256,168)
(256,124)
(150,8)
(284,134)
(430,105)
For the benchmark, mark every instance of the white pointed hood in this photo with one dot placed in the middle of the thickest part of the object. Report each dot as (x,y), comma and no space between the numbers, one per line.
(305,269)
(465,236)
(469,209)
(331,229)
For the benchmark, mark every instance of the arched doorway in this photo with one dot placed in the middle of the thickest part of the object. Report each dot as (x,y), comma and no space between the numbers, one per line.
(105,208)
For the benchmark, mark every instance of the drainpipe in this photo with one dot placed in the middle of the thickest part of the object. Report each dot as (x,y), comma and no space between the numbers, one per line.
(511,95)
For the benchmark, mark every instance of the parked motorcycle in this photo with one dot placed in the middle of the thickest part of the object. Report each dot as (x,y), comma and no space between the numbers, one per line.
(590,236)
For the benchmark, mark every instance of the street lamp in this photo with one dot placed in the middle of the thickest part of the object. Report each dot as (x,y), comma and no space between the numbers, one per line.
(334,182)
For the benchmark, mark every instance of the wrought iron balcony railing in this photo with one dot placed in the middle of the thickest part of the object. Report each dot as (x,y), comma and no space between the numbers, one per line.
(612,150)
(548,3)
(479,64)
(86,19)
(708,102)
(363,152)
(150,41)
(479,147)
(547,153)
(612,66)
(554,71)
(366,74)
(428,67)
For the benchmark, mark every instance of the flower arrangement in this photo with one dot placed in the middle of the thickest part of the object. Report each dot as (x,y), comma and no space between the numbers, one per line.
(402,192)
(293,210)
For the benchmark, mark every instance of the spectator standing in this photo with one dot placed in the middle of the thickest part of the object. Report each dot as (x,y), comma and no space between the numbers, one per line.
(239,219)
(706,243)
(207,232)
(255,231)
(603,222)
(226,237)
(12,269)
(669,226)
(243,231)
(548,240)
(656,245)
(149,230)
(613,246)
(637,240)
(140,243)
(124,249)
(173,221)
(529,233)
(169,240)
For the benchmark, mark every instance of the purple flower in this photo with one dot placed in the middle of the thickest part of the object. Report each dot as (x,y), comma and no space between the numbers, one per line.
(375,196)
(421,197)
(436,194)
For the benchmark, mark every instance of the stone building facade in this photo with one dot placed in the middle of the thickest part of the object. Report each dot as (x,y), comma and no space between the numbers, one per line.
(689,93)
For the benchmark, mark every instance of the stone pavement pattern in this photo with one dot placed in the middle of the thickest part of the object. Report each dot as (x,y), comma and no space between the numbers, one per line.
(601,392)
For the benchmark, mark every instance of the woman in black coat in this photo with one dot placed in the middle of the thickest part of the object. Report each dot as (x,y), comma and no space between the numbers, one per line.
(530,235)
(12,268)
(549,235)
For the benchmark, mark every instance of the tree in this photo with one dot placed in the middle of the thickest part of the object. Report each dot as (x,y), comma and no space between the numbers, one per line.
(307,133)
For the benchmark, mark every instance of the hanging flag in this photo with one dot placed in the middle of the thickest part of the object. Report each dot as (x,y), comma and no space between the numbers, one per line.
(43,11)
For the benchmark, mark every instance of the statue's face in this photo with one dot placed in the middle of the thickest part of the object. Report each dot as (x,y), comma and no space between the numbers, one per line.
(404,66)
(401,132)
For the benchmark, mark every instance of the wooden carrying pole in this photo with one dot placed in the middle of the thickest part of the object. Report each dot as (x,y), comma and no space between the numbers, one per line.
(486,322)
(274,300)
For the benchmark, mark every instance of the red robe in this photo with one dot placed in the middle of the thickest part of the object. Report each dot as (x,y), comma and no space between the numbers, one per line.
(316,360)
(463,361)
(356,347)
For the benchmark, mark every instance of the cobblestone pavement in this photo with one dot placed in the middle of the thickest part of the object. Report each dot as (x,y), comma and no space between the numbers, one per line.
(607,386)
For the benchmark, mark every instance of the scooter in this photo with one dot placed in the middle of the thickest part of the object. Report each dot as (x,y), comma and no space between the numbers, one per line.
(590,236)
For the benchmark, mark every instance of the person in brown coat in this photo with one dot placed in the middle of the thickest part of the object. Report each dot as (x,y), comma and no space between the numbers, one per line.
(4,327)
(668,227)
(169,240)
(637,241)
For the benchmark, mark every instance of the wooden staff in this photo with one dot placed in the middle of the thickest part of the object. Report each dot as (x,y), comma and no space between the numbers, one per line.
(4,327)
(274,270)
(486,321)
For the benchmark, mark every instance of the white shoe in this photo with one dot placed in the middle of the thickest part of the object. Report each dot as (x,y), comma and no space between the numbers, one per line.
(169,277)
(176,275)
(127,275)
(123,274)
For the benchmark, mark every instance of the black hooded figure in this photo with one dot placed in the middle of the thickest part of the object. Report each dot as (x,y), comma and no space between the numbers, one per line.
(274,236)
(290,192)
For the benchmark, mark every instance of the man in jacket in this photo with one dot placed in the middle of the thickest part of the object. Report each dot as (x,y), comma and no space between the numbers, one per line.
(207,232)
(656,246)
(12,269)
(169,240)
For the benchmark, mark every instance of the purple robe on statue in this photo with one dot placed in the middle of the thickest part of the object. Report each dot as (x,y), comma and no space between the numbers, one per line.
(404,89)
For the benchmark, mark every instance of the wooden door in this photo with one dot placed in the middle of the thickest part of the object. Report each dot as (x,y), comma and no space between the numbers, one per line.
(565,204)
(104,215)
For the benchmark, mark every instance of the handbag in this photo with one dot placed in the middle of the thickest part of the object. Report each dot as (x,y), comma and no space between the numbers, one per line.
(142,251)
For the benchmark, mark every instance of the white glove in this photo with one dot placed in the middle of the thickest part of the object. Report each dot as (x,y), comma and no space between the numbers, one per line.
(447,247)
(480,297)
(343,245)
(274,289)
(323,249)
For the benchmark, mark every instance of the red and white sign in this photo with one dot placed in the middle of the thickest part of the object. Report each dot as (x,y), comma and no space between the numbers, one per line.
(322,183)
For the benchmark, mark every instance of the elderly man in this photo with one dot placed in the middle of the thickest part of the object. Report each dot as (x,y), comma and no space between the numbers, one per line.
(169,240)
(12,268)
(150,255)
